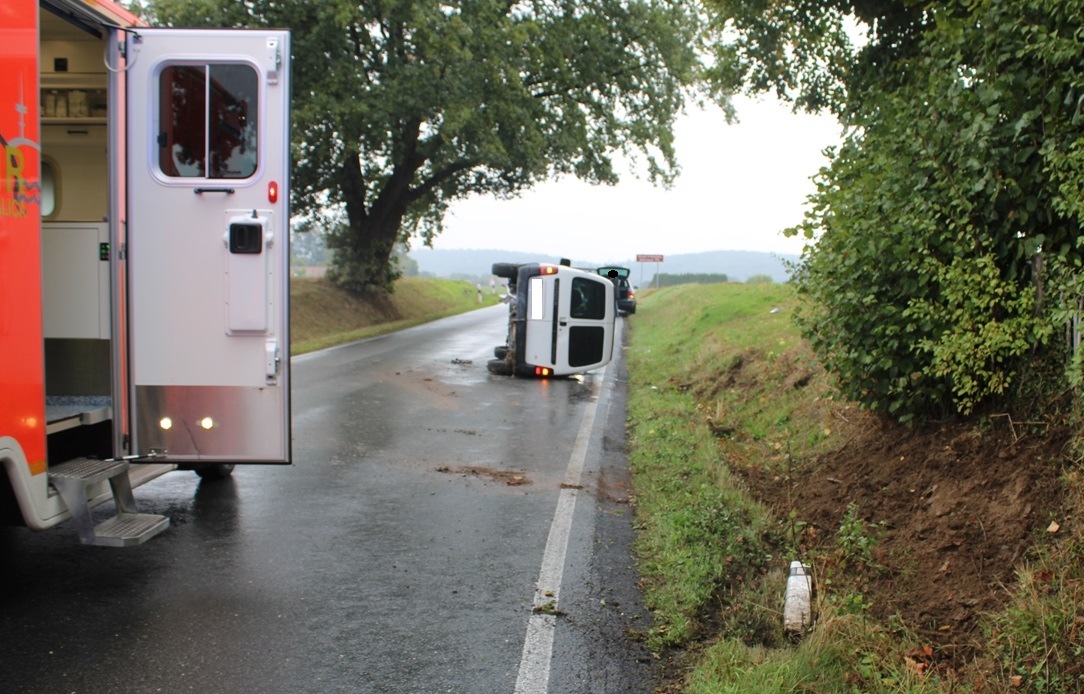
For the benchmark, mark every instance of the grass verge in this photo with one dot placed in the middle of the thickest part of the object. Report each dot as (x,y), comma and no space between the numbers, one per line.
(704,543)
(322,315)
(720,381)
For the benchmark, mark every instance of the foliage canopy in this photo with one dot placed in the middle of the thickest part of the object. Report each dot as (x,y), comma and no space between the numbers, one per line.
(402,106)
(945,233)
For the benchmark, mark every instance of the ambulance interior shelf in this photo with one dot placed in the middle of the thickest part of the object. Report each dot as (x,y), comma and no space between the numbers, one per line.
(73,97)
(70,411)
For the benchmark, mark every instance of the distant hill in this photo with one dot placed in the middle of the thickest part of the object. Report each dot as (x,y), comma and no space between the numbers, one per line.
(738,266)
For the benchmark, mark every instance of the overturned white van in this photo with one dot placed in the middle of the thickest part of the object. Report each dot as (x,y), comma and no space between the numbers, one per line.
(560,320)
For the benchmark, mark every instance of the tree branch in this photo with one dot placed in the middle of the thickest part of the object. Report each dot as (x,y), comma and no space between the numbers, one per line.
(439,177)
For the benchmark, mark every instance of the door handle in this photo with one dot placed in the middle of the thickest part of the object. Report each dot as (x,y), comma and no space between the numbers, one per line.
(271,361)
(201,191)
(564,322)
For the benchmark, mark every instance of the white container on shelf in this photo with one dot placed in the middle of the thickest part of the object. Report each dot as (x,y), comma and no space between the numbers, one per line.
(77,104)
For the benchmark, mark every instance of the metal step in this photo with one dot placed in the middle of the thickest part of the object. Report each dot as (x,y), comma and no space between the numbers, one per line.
(87,471)
(127,529)
(73,478)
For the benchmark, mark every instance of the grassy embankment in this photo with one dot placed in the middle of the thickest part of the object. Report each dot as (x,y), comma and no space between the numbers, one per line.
(322,316)
(721,385)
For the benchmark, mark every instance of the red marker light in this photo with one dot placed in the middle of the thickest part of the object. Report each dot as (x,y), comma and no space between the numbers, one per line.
(273,191)
(548,269)
(541,371)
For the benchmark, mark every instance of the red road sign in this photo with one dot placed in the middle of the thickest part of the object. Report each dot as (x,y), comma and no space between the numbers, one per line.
(649,258)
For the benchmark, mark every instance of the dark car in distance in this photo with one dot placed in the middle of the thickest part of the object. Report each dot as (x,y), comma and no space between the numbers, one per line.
(626,297)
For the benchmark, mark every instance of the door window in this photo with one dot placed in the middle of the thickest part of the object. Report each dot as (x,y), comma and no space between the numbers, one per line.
(49,191)
(537,294)
(585,343)
(207,123)
(588,299)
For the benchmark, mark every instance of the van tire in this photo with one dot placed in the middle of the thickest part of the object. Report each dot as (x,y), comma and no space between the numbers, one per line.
(499,367)
(507,271)
(500,351)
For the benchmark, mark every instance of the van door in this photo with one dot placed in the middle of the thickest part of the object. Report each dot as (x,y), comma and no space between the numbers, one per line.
(585,323)
(207,252)
(541,285)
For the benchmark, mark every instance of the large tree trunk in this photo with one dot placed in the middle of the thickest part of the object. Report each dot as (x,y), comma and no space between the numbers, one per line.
(362,251)
(362,262)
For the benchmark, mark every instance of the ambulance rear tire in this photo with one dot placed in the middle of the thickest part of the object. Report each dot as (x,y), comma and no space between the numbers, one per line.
(500,351)
(215,471)
(500,367)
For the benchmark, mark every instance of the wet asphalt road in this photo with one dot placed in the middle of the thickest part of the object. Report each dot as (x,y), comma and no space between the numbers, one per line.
(401,551)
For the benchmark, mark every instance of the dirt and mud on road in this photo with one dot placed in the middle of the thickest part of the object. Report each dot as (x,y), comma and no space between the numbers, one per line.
(952,511)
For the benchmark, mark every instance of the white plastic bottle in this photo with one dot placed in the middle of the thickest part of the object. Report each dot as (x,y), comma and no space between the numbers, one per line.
(797,605)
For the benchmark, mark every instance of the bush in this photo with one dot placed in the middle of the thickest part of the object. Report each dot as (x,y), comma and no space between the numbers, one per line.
(924,294)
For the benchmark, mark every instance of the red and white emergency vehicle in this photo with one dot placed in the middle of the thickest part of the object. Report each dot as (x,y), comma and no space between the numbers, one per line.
(143,259)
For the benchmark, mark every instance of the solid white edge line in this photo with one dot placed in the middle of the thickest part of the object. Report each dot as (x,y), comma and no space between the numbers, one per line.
(534,664)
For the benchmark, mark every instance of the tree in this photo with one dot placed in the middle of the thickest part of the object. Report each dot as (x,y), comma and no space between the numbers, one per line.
(402,106)
(946,222)
(802,51)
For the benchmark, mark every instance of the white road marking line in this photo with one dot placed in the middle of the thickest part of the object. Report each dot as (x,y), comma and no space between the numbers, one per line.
(534,664)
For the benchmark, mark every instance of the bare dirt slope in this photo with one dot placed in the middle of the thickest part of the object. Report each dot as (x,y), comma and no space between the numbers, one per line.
(954,509)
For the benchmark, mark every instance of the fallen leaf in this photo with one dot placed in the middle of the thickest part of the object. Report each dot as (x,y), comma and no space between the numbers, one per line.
(1017,681)
(917,667)
(549,608)
(1053,527)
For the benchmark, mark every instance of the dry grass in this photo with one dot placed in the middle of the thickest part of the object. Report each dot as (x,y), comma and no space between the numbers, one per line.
(322,315)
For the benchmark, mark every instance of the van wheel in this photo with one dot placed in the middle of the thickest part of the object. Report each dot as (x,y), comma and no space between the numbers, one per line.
(500,351)
(215,471)
(500,367)
(507,271)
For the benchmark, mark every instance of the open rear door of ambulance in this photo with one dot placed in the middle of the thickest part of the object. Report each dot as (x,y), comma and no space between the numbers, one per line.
(207,245)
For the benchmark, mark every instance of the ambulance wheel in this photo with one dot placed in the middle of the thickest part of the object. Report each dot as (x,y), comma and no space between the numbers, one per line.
(501,367)
(215,471)
(500,351)
(507,271)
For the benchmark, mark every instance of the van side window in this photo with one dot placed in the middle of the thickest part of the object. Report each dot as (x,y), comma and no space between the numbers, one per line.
(207,122)
(49,191)
(588,299)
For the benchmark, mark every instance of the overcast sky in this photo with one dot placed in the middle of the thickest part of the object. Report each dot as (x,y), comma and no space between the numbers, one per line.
(740,186)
